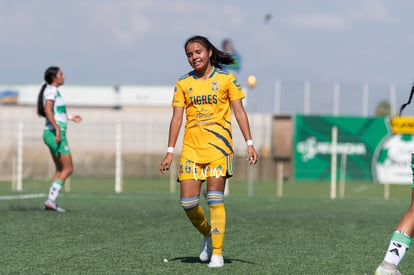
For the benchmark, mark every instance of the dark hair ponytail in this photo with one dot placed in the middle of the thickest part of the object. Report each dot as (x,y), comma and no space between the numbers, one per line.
(49,76)
(409,100)
(218,57)
(40,107)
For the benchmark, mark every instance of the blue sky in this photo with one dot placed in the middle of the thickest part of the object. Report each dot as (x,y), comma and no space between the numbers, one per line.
(141,42)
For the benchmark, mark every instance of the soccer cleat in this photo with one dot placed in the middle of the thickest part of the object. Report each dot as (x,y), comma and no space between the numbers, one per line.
(387,269)
(216,261)
(49,205)
(205,249)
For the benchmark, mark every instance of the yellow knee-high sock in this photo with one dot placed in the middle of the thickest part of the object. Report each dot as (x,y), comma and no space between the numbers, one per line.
(217,220)
(199,220)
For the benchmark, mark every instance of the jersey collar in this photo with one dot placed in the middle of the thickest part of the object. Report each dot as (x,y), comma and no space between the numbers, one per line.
(210,76)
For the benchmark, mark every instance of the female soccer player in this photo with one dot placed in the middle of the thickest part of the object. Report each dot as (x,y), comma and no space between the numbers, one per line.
(50,105)
(208,96)
(401,238)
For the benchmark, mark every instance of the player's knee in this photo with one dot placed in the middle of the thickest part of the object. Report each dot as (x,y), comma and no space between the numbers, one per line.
(214,198)
(190,203)
(70,170)
(67,171)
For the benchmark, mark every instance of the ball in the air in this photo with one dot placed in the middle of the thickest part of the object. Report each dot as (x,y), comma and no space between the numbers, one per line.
(251,81)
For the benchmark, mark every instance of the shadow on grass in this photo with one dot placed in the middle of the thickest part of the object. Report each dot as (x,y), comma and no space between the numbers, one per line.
(192,260)
(24,208)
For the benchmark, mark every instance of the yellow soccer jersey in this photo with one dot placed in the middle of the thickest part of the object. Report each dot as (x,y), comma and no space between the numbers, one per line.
(208,134)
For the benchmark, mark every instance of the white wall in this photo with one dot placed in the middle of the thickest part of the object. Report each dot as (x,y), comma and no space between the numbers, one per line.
(100,96)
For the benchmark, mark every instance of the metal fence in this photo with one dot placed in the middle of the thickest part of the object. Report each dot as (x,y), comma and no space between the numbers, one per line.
(141,135)
(143,131)
(327,98)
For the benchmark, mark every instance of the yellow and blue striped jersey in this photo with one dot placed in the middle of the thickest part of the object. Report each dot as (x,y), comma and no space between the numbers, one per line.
(208,133)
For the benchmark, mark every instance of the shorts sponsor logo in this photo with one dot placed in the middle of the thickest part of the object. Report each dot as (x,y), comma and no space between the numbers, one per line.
(204,172)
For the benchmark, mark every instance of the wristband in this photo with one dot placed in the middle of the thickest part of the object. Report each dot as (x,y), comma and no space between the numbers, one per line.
(170,149)
(69,117)
(249,142)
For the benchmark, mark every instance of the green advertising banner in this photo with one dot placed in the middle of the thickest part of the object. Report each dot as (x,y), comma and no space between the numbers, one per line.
(358,139)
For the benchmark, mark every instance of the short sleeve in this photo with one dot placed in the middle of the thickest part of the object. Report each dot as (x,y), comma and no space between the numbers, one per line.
(50,93)
(179,96)
(234,88)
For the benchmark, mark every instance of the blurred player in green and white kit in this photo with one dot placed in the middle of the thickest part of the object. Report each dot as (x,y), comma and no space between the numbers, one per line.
(50,105)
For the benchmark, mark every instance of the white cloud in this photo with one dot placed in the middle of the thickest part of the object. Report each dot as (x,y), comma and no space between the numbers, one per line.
(318,21)
(372,11)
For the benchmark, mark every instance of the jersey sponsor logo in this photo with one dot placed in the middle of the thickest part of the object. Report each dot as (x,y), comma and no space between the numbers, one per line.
(204,114)
(205,123)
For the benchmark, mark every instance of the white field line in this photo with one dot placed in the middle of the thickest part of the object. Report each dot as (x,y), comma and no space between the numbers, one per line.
(22,197)
(360,189)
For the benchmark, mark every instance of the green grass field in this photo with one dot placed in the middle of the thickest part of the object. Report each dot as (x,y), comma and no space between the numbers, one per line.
(304,232)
